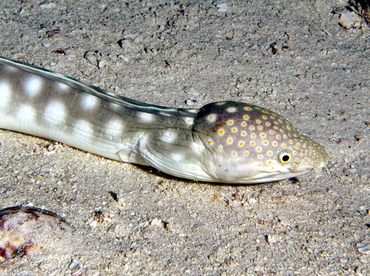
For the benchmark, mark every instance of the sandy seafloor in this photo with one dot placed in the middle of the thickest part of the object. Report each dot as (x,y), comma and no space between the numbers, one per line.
(289,56)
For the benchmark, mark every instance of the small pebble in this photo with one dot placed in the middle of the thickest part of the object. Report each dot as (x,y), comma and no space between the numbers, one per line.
(90,56)
(350,20)
(364,247)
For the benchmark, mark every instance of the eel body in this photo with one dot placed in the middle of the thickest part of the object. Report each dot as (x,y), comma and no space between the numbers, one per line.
(226,142)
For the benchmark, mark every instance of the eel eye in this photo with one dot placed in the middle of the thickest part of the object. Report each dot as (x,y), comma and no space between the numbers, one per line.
(285,157)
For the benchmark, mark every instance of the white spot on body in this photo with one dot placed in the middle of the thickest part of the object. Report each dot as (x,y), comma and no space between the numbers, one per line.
(211,118)
(231,109)
(114,127)
(26,113)
(62,86)
(9,68)
(176,156)
(169,136)
(115,107)
(56,111)
(189,120)
(89,102)
(83,126)
(33,86)
(145,117)
(5,92)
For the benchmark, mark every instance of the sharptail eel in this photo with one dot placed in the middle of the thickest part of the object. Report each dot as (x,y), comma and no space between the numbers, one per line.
(226,142)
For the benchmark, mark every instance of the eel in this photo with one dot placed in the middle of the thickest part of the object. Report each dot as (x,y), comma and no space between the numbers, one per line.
(225,142)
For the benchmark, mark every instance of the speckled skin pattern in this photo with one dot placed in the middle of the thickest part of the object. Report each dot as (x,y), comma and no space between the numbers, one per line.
(227,142)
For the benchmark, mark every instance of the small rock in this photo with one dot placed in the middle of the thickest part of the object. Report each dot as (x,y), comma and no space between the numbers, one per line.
(90,56)
(350,20)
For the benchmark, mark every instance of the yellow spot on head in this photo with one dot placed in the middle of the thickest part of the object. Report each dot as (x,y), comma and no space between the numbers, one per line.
(272,131)
(264,116)
(230,141)
(247,108)
(243,124)
(253,135)
(244,133)
(234,153)
(234,129)
(258,121)
(246,152)
(253,143)
(220,148)
(230,122)
(251,127)
(258,149)
(265,143)
(263,135)
(241,144)
(210,142)
(260,127)
(221,131)
(246,117)
(268,124)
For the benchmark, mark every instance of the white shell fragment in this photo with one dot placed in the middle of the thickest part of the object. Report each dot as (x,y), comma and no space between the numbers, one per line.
(222,6)
(30,231)
(364,247)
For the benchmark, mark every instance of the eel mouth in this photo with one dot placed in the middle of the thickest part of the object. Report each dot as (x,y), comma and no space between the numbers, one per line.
(268,177)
